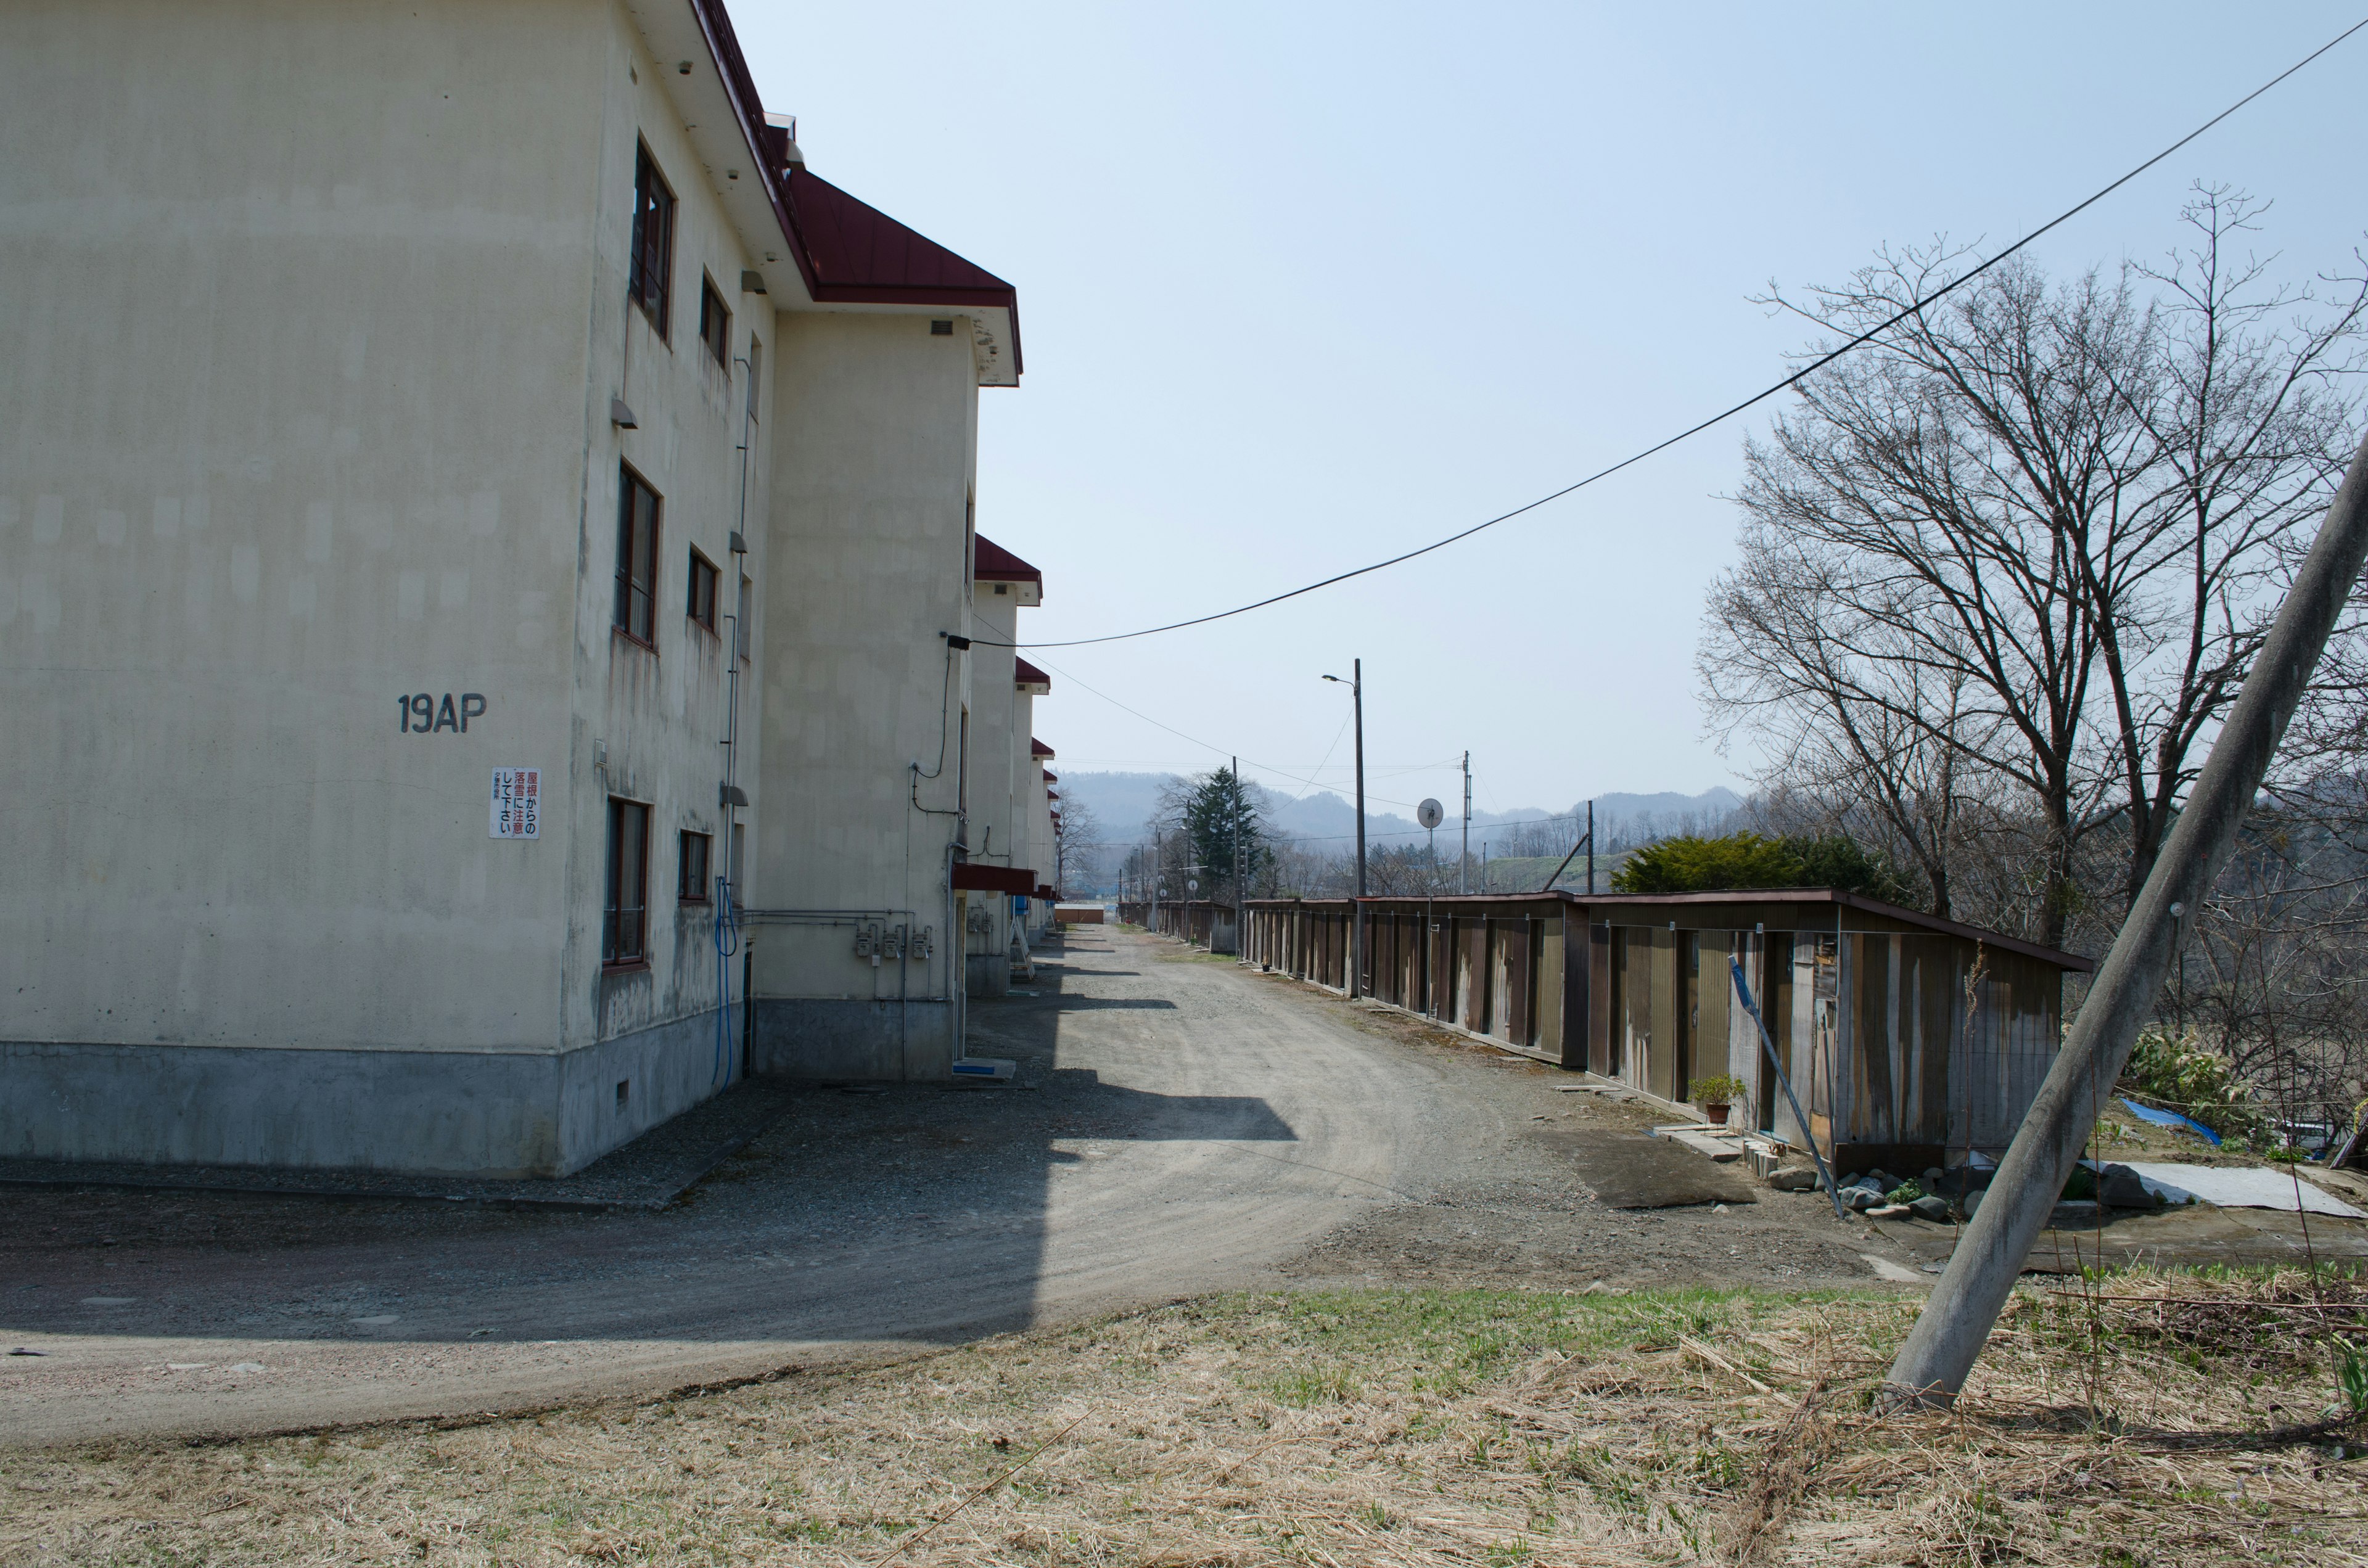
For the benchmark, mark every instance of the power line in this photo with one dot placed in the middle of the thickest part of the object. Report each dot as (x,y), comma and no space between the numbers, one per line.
(1719,418)
(1220,751)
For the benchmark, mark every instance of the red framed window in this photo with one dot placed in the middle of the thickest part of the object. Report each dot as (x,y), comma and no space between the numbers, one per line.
(637,559)
(624,930)
(691,881)
(703,580)
(652,263)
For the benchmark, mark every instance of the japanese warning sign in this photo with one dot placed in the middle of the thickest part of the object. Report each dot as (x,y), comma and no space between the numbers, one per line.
(518,803)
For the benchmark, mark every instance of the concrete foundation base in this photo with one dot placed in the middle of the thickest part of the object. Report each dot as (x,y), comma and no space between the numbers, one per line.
(803,1038)
(482,1113)
(986,974)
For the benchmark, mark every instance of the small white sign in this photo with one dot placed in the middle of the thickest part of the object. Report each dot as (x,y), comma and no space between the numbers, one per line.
(518,803)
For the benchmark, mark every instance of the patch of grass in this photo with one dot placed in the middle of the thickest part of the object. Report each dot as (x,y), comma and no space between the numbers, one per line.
(1492,1427)
(1194,955)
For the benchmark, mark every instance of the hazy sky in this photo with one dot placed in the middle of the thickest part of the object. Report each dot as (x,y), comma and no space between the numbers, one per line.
(1302,285)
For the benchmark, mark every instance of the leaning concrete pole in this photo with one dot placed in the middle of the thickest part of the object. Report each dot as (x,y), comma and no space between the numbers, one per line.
(1956,1322)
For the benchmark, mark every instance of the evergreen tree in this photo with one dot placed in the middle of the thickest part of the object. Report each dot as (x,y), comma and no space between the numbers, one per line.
(1221,812)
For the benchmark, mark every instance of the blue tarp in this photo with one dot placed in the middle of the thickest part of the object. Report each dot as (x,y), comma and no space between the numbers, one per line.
(2172,1118)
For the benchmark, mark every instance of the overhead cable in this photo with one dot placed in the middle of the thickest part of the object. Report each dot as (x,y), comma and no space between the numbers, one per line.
(1220,751)
(1719,418)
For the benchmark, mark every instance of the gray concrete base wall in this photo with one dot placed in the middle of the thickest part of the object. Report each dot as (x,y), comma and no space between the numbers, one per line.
(798,1037)
(666,1069)
(524,1113)
(986,974)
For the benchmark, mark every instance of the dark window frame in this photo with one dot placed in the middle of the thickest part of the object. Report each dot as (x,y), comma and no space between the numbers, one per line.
(637,547)
(715,322)
(650,279)
(703,570)
(625,924)
(688,889)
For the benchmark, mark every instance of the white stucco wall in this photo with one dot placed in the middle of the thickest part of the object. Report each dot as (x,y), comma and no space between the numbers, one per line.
(316,311)
(660,716)
(873,451)
(1038,819)
(996,837)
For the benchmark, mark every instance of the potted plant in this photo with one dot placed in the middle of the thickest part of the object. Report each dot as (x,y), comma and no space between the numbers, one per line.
(1716,1095)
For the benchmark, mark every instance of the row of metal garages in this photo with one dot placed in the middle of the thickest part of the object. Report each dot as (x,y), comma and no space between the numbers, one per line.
(1908,1040)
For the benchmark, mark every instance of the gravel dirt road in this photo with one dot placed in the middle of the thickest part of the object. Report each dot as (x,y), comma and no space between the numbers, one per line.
(1180,1126)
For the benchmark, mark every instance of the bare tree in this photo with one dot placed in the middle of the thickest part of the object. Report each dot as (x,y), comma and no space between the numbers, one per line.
(2029,539)
(1077,841)
(2273,980)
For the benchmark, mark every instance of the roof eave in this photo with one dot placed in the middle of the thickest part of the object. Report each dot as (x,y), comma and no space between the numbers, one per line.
(997,307)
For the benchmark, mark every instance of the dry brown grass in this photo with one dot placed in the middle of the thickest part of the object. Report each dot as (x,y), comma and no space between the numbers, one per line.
(1384,1427)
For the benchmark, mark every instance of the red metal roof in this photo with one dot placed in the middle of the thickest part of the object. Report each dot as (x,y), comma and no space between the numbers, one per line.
(1035,747)
(970,876)
(1025,673)
(990,563)
(847,252)
(858,254)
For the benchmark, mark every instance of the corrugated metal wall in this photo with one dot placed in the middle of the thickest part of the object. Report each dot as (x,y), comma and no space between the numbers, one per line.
(1494,967)
(1871,1024)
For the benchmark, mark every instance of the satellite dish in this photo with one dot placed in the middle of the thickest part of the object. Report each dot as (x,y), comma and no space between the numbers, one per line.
(1430,813)
(1192,886)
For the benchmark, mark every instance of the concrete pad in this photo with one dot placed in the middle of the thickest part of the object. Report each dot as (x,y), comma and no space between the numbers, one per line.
(1701,1142)
(2239,1187)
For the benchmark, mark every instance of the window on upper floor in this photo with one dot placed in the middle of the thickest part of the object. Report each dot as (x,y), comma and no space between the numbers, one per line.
(714,324)
(690,879)
(653,261)
(637,559)
(703,578)
(624,927)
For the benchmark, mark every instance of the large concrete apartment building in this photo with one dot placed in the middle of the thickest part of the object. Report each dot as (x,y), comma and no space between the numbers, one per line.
(1011,861)
(498,362)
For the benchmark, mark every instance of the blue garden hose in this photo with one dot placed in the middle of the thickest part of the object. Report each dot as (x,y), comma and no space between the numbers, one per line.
(727,943)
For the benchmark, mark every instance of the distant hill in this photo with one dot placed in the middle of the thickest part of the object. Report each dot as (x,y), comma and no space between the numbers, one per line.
(1123,803)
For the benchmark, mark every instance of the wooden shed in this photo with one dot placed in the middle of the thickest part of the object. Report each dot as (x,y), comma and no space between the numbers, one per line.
(1908,1038)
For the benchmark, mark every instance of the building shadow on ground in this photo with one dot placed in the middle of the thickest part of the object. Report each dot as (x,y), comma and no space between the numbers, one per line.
(863,1214)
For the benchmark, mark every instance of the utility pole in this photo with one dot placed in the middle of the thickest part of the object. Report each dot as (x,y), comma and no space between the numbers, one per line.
(1590,848)
(1956,1322)
(1240,862)
(1357,693)
(1463,866)
(1356,685)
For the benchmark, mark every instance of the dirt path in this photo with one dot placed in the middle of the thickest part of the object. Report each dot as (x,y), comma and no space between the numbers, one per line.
(1179,1129)
(1180,1126)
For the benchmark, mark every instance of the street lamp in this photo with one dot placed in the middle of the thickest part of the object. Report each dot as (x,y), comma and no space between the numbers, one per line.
(1356,685)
